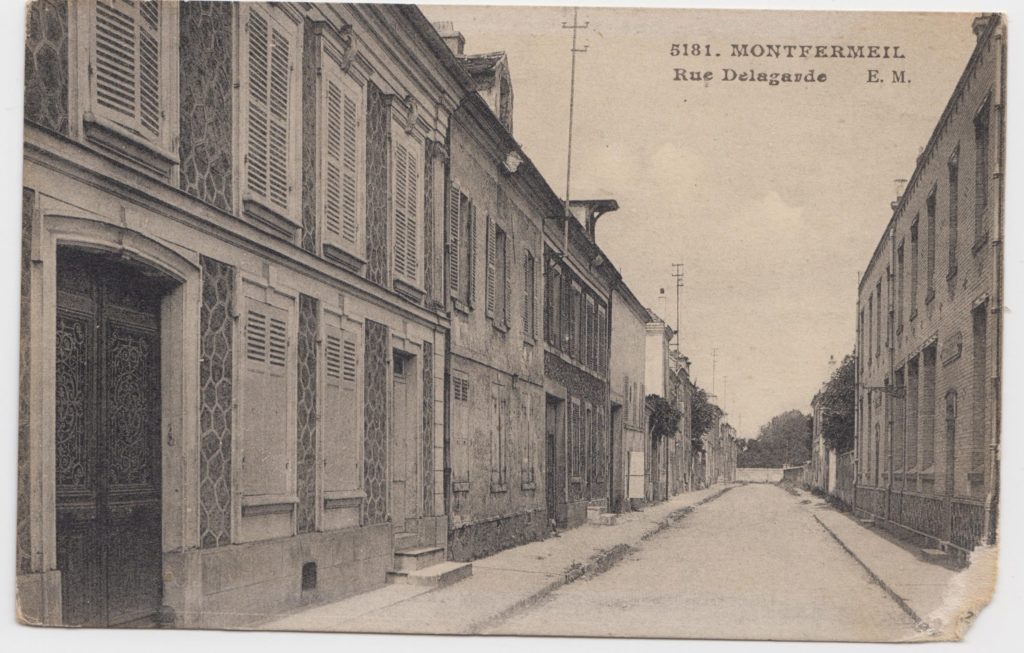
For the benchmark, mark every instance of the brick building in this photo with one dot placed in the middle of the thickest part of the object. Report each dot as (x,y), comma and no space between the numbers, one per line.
(929,325)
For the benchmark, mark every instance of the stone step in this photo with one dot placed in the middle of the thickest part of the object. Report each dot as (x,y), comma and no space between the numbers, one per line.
(418,558)
(439,575)
(936,555)
(602,518)
(866,521)
(406,541)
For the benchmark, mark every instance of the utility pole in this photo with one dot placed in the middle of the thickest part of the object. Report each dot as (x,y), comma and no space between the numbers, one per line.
(575,27)
(714,361)
(677,273)
(725,393)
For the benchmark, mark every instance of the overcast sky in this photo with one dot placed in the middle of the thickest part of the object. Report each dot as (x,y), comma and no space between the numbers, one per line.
(773,197)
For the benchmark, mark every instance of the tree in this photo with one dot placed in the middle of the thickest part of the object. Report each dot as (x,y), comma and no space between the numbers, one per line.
(837,401)
(703,415)
(785,440)
(664,417)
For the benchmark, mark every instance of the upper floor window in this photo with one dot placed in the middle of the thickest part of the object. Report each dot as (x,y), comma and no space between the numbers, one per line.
(954,208)
(529,297)
(914,263)
(981,174)
(498,290)
(342,154)
(270,117)
(461,248)
(932,227)
(131,79)
(407,210)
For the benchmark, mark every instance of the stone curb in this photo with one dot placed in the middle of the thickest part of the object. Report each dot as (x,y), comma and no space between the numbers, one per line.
(596,564)
(922,625)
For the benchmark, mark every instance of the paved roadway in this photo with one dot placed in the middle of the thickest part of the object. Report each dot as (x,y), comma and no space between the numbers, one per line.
(752,564)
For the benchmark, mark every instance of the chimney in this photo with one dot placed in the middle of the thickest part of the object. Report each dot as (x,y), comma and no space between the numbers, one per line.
(981,23)
(454,40)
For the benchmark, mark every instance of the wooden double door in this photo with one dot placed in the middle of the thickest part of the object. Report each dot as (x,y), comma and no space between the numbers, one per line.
(107,440)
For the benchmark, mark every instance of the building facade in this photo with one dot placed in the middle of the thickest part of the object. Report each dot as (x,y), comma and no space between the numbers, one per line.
(494,263)
(929,325)
(233,311)
(578,282)
(629,439)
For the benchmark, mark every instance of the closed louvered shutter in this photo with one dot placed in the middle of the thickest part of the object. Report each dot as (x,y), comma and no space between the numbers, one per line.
(399,200)
(342,463)
(350,170)
(454,227)
(471,256)
(333,160)
(491,254)
(269,69)
(506,279)
(412,217)
(265,391)
(128,64)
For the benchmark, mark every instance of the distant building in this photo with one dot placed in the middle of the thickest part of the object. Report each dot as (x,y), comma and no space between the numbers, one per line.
(626,377)
(929,332)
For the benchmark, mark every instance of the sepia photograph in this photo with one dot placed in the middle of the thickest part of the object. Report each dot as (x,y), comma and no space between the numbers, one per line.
(595,322)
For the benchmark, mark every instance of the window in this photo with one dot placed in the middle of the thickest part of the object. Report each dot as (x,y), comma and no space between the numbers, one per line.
(553,306)
(871,325)
(602,339)
(461,432)
(406,207)
(342,159)
(268,385)
(529,297)
(499,437)
(529,446)
(912,402)
(270,115)
(900,272)
(930,210)
(342,407)
(498,290)
(131,106)
(461,248)
(927,407)
(914,257)
(954,209)
(981,174)
(575,442)
(979,329)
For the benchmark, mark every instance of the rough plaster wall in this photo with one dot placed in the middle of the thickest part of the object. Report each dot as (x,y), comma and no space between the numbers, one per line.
(375,443)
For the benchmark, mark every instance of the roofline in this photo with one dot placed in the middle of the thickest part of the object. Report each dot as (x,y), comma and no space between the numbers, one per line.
(933,139)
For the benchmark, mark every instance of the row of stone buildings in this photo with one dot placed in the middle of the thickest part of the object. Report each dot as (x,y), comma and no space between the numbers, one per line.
(298,313)
(929,326)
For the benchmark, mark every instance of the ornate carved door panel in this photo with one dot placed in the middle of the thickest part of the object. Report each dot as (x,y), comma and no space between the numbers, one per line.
(107,440)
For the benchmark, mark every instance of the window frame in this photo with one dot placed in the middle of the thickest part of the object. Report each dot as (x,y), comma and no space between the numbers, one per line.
(402,282)
(335,66)
(286,222)
(91,122)
(257,290)
(336,321)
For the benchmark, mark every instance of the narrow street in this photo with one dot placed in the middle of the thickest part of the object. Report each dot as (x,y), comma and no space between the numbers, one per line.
(751,564)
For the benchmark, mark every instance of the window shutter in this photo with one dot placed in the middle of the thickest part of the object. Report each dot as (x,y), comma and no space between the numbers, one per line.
(341,432)
(269,68)
(506,278)
(412,217)
(471,256)
(280,77)
(399,199)
(454,226)
(491,253)
(256,156)
(333,200)
(349,176)
(128,63)
(265,391)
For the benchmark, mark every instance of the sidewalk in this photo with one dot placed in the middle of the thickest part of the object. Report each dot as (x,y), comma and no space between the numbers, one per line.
(941,600)
(500,585)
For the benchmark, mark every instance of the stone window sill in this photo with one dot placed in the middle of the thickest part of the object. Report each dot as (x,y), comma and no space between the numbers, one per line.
(529,485)
(460,306)
(268,217)
(123,142)
(409,291)
(345,259)
(460,486)
(497,488)
(268,504)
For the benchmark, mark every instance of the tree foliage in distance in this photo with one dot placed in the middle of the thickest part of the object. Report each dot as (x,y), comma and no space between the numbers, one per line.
(837,401)
(703,414)
(785,440)
(664,417)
